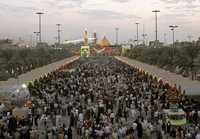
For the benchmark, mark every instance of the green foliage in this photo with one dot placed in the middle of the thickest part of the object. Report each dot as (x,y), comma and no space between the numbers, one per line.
(4,75)
(186,58)
(14,62)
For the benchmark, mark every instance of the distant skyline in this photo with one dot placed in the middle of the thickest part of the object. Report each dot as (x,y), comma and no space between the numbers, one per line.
(18,18)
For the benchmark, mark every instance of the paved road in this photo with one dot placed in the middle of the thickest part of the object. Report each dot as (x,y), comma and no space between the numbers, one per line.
(191,87)
(35,74)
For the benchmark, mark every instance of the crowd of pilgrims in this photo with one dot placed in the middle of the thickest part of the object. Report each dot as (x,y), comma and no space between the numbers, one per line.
(97,98)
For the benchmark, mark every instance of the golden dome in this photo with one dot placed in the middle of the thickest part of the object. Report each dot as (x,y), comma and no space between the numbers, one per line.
(104,42)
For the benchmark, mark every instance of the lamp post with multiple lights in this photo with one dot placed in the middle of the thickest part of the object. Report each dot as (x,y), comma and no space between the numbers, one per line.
(58,25)
(190,38)
(144,35)
(137,28)
(156,26)
(40,32)
(173,27)
(36,37)
(117,35)
(165,39)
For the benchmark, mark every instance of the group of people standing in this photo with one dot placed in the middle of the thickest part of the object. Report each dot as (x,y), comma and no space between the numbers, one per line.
(98,98)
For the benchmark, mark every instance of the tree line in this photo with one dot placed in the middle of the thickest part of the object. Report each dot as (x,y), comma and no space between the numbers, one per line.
(183,60)
(14,62)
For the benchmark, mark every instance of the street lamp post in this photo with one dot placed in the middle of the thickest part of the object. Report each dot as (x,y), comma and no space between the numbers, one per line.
(137,38)
(40,32)
(144,35)
(190,38)
(117,35)
(173,27)
(156,26)
(165,39)
(59,33)
(36,36)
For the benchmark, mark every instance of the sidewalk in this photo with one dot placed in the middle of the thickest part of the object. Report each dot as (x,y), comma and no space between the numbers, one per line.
(35,74)
(191,87)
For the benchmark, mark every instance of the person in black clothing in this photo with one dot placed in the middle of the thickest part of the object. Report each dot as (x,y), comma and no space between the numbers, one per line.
(2,130)
(36,120)
(25,133)
(69,133)
(72,120)
(195,117)
(93,134)
(12,125)
(164,127)
(168,127)
(139,130)
(173,133)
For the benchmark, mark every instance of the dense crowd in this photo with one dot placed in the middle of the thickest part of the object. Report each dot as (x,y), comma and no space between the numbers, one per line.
(98,98)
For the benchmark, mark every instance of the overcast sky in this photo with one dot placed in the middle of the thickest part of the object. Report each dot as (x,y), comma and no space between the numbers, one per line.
(18,18)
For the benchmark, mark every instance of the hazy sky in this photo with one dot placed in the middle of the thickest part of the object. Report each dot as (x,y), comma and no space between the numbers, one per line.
(18,18)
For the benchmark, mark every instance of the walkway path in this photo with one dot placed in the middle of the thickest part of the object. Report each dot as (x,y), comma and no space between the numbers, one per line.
(191,87)
(35,74)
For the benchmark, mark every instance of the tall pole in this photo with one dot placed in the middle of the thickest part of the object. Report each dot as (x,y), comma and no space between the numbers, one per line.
(117,35)
(137,38)
(59,33)
(31,40)
(40,26)
(144,35)
(36,37)
(173,38)
(95,39)
(173,27)
(165,39)
(190,38)
(156,26)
